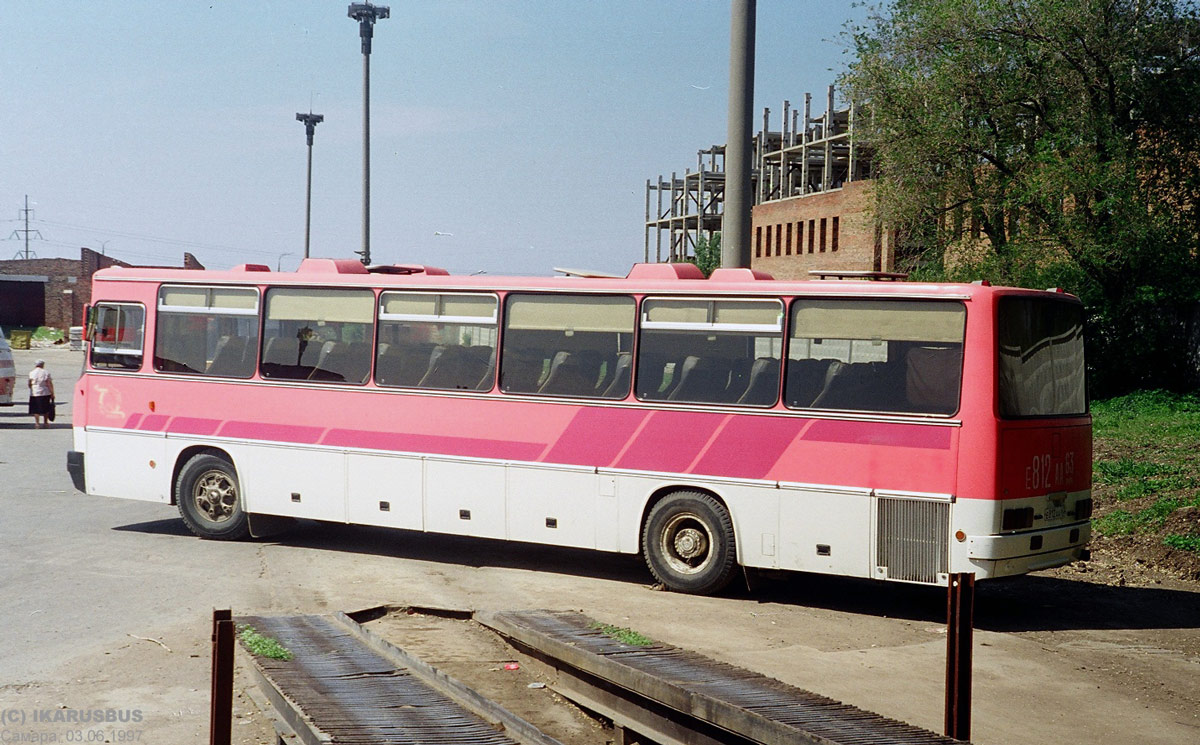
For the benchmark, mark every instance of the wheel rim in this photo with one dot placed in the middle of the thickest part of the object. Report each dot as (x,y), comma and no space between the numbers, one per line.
(215,495)
(686,544)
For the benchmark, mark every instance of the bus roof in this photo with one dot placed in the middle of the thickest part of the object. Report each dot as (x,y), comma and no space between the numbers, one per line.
(642,279)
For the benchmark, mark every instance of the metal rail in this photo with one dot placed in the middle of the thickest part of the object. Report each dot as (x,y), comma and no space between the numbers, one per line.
(346,685)
(679,697)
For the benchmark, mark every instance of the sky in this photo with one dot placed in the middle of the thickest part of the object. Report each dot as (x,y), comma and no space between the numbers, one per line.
(506,137)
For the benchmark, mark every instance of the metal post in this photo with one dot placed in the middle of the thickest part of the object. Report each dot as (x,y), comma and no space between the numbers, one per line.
(310,121)
(960,613)
(366,14)
(735,224)
(221,713)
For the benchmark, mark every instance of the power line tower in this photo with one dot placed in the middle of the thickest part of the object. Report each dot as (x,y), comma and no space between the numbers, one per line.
(36,233)
(310,121)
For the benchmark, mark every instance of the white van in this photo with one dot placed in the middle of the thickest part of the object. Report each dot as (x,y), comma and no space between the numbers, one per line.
(8,372)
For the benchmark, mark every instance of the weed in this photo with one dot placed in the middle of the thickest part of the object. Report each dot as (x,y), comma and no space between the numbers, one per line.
(263,646)
(623,635)
(1183,542)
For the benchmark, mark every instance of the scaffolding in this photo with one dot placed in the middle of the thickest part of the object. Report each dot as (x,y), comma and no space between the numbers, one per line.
(805,155)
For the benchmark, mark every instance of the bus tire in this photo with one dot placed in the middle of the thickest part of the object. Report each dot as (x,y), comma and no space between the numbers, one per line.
(210,499)
(688,543)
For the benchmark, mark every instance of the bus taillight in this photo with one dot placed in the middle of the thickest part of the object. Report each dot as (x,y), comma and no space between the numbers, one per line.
(1083,509)
(1018,518)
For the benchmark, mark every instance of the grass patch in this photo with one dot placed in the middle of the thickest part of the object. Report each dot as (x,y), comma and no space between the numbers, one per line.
(623,635)
(1126,522)
(1183,542)
(1148,418)
(263,646)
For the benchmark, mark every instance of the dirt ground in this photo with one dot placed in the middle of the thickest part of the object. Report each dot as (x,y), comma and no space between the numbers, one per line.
(477,657)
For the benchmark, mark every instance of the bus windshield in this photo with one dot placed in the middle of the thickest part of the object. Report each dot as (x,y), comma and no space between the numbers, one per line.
(1041,358)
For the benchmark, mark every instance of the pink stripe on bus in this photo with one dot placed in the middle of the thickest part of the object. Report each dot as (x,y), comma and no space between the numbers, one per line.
(154,423)
(434,444)
(670,441)
(186,425)
(748,447)
(878,433)
(595,436)
(274,432)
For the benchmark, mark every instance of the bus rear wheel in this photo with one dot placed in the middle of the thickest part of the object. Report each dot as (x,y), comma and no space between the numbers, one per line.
(210,499)
(688,543)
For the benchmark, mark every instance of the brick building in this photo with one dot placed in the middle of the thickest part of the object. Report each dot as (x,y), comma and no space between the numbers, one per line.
(833,230)
(54,292)
(812,193)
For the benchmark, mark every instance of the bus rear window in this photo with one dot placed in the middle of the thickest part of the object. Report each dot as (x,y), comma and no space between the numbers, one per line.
(1041,358)
(891,356)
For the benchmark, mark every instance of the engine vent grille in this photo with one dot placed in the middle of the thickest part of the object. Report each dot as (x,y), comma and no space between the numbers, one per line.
(913,539)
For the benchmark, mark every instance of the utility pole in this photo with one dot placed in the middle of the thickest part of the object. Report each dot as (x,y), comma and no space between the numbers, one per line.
(37,233)
(366,14)
(310,121)
(735,223)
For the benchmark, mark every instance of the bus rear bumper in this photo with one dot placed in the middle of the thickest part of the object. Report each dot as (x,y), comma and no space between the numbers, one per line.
(75,468)
(1028,552)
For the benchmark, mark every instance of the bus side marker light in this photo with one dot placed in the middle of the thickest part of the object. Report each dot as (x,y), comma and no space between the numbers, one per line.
(295,496)
(153,464)
(960,536)
(1083,509)
(385,506)
(552,522)
(151,406)
(823,549)
(464,514)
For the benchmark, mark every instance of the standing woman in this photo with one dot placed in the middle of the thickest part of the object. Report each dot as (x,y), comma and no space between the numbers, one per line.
(41,394)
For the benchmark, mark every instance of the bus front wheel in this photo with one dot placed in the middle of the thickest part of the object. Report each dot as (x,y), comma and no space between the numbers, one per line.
(688,543)
(210,499)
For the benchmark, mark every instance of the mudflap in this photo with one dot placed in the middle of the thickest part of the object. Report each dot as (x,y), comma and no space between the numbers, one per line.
(264,526)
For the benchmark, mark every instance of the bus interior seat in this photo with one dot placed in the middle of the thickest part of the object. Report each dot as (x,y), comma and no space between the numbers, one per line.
(280,356)
(860,386)
(932,378)
(229,357)
(806,379)
(489,375)
(590,362)
(520,370)
(608,368)
(567,377)
(344,363)
(763,387)
(454,368)
(312,352)
(619,386)
(703,380)
(739,378)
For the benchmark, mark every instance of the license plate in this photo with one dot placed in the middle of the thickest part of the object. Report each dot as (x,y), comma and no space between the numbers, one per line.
(1055,511)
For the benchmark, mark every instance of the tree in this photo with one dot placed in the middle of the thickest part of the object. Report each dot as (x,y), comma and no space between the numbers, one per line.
(1047,142)
(708,253)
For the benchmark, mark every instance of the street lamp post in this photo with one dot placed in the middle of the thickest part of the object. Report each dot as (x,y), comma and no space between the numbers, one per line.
(310,121)
(366,14)
(279,262)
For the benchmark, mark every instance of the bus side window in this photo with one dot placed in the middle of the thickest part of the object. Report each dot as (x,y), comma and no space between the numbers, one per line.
(710,351)
(206,331)
(440,341)
(892,356)
(566,345)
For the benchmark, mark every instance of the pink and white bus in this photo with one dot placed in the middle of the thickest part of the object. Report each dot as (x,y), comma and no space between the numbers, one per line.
(898,431)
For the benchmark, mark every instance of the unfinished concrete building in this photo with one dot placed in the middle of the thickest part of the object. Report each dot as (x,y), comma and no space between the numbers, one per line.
(812,198)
